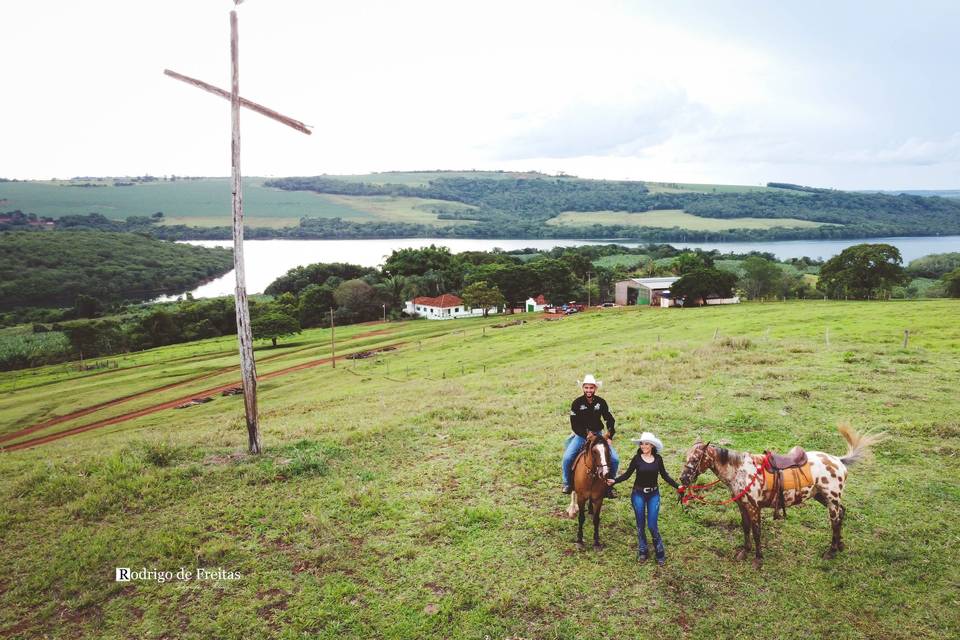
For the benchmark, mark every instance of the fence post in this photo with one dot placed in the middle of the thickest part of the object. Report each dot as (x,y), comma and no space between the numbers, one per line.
(716,332)
(906,337)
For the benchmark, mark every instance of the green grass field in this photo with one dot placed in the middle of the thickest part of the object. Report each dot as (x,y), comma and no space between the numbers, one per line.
(669,218)
(415,494)
(206,203)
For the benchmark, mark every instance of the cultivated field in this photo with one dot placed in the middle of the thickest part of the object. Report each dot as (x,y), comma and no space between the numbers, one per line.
(414,494)
(669,218)
(206,203)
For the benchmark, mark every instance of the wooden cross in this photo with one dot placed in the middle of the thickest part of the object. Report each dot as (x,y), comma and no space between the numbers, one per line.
(248,368)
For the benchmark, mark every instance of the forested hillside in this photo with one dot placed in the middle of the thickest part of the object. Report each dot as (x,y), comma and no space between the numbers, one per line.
(522,207)
(50,268)
(446,204)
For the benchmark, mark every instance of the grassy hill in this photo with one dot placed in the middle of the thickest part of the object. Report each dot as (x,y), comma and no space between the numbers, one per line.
(415,493)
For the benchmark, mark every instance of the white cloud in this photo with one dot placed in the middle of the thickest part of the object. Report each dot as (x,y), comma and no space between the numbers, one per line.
(741,93)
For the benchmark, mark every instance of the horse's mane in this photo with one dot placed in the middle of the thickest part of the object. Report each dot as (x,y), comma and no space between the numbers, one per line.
(728,456)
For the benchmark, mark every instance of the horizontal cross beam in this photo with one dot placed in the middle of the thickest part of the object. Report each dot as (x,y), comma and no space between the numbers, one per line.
(249,104)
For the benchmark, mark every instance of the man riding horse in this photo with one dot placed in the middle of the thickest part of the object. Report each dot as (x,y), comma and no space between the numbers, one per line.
(586,413)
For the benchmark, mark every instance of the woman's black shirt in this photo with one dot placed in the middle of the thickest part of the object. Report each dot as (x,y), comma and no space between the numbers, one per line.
(647,472)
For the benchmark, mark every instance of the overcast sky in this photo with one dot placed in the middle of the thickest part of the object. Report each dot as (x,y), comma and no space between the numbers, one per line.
(852,95)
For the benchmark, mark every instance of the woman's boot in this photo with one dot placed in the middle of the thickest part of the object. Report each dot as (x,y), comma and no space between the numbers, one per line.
(661,552)
(642,553)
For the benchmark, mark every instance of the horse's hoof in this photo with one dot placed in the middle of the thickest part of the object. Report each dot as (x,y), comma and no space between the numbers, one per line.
(829,554)
(741,554)
(757,563)
(839,546)
(580,546)
(597,546)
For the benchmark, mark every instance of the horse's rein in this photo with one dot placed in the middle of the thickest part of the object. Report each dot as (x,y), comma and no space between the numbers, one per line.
(690,492)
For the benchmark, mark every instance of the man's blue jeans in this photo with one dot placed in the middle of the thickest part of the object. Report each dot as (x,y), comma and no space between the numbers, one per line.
(649,502)
(574,444)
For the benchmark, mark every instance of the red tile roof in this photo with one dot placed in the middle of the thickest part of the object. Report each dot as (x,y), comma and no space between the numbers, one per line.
(444,301)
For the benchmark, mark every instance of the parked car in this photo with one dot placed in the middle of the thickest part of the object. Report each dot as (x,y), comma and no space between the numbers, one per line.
(607,305)
(568,310)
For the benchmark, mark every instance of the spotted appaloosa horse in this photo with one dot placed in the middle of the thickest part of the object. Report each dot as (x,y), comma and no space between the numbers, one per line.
(590,484)
(742,475)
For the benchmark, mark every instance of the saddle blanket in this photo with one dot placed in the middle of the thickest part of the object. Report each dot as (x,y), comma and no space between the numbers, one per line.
(795,478)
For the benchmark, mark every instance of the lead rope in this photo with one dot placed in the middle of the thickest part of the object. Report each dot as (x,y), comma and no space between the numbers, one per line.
(689,493)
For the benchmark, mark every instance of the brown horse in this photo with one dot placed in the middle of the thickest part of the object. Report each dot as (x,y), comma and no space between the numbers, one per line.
(744,476)
(590,484)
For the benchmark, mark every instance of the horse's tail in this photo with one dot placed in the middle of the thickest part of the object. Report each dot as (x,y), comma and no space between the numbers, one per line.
(858,444)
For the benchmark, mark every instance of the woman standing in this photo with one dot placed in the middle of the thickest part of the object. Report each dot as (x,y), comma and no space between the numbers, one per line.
(646,495)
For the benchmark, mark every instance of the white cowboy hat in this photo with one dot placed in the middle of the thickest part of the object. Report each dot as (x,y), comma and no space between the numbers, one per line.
(589,379)
(646,436)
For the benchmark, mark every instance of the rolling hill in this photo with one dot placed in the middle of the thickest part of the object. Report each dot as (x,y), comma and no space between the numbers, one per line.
(481,205)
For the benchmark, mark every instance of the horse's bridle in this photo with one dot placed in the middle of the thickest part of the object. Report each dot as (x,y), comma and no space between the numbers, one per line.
(593,457)
(696,467)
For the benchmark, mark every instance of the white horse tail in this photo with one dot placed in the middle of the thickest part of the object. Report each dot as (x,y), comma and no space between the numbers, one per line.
(858,444)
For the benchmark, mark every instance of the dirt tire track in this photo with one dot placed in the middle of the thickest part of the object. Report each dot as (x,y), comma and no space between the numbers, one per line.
(171,403)
(110,403)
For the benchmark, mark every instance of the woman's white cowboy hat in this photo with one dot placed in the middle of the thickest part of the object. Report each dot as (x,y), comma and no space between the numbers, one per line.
(646,436)
(589,379)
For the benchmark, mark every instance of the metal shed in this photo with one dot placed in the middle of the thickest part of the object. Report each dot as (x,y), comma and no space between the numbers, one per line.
(642,290)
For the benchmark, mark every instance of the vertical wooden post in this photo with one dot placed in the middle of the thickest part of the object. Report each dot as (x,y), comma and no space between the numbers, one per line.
(333,343)
(906,337)
(248,367)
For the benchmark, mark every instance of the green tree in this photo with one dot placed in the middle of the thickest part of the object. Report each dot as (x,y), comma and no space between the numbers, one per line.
(87,306)
(862,271)
(700,284)
(274,323)
(91,339)
(395,286)
(761,277)
(556,281)
(516,282)
(480,294)
(691,261)
(314,305)
(951,282)
(417,262)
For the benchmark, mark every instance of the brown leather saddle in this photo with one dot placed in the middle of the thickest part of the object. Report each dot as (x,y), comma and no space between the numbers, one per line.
(795,461)
(796,457)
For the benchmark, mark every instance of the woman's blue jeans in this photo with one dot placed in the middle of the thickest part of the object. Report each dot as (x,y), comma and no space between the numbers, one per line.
(649,503)
(574,444)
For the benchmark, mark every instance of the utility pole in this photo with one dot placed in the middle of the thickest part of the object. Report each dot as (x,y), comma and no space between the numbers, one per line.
(248,369)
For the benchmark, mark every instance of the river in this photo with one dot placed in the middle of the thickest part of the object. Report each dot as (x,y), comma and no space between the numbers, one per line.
(266,260)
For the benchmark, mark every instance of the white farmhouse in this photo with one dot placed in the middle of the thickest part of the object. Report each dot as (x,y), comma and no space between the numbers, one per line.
(445,307)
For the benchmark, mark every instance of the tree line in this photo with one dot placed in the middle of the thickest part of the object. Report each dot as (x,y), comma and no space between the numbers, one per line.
(316,294)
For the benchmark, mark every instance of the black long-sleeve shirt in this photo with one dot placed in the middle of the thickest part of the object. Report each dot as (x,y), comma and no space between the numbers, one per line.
(647,472)
(585,416)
